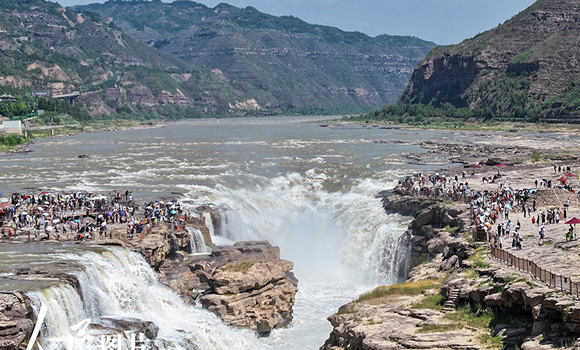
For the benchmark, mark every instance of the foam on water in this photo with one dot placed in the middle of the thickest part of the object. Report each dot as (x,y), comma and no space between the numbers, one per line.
(307,189)
(117,282)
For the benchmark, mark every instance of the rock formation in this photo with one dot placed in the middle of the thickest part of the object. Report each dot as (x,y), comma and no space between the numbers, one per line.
(256,289)
(247,284)
(16,319)
(525,65)
(525,313)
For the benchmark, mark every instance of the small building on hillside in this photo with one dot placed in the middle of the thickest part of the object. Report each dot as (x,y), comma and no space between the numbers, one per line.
(11,127)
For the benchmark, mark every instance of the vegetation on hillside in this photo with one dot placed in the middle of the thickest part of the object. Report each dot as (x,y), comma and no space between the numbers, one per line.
(523,67)
(283,63)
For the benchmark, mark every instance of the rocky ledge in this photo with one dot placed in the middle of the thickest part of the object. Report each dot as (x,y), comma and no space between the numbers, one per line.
(246,284)
(16,319)
(437,226)
(456,297)
(392,325)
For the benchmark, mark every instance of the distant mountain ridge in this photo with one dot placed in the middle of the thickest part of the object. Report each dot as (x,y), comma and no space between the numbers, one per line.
(269,63)
(527,66)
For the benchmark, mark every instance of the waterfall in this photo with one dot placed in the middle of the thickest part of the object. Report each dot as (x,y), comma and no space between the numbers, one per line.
(217,239)
(116,282)
(342,243)
(65,308)
(197,242)
(209,223)
(342,235)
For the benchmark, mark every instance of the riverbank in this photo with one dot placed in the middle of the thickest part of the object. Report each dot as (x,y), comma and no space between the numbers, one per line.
(482,126)
(67,130)
(460,292)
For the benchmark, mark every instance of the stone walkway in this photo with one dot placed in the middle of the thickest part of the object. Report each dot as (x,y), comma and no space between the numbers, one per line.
(554,253)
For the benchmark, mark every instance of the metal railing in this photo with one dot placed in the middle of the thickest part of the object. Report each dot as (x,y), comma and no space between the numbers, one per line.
(557,281)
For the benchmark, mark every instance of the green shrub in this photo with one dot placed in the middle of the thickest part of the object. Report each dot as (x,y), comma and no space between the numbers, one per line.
(243,267)
(407,288)
(452,230)
(478,257)
(433,302)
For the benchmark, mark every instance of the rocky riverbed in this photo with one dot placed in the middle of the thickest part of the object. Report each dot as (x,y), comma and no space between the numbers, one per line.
(485,153)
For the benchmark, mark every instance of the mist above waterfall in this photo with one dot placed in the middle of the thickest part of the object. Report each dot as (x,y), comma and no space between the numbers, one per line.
(307,189)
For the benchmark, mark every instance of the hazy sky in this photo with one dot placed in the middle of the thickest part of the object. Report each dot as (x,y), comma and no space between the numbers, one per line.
(441,21)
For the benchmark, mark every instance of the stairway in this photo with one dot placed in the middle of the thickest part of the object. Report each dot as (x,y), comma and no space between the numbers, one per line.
(451,302)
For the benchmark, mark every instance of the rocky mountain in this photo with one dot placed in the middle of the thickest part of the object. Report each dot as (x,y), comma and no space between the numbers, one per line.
(527,65)
(272,64)
(47,48)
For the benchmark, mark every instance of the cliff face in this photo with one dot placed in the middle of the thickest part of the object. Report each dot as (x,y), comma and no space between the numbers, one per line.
(499,306)
(283,63)
(527,62)
(50,49)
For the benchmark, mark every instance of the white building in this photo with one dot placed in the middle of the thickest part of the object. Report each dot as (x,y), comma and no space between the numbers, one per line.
(11,127)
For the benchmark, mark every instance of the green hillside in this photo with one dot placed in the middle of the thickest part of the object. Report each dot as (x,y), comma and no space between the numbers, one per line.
(47,48)
(274,64)
(524,67)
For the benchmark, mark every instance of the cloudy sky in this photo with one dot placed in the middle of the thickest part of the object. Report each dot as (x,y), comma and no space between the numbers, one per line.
(441,21)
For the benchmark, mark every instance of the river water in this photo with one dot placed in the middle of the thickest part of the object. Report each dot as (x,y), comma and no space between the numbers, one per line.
(306,188)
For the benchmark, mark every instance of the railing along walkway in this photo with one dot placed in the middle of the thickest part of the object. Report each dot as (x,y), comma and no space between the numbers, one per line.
(563,283)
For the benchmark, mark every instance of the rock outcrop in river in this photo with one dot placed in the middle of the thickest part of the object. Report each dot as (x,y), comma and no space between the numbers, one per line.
(250,286)
(16,319)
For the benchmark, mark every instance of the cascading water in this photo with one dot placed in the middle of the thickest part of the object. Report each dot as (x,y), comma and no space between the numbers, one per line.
(209,223)
(198,245)
(307,189)
(342,243)
(120,283)
(332,235)
(217,240)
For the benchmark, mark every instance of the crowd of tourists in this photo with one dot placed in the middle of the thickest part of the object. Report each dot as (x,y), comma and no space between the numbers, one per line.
(82,215)
(436,185)
(492,208)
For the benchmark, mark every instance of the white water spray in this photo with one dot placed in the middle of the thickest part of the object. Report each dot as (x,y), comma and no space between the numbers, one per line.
(198,245)
(120,283)
(344,236)
(341,243)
